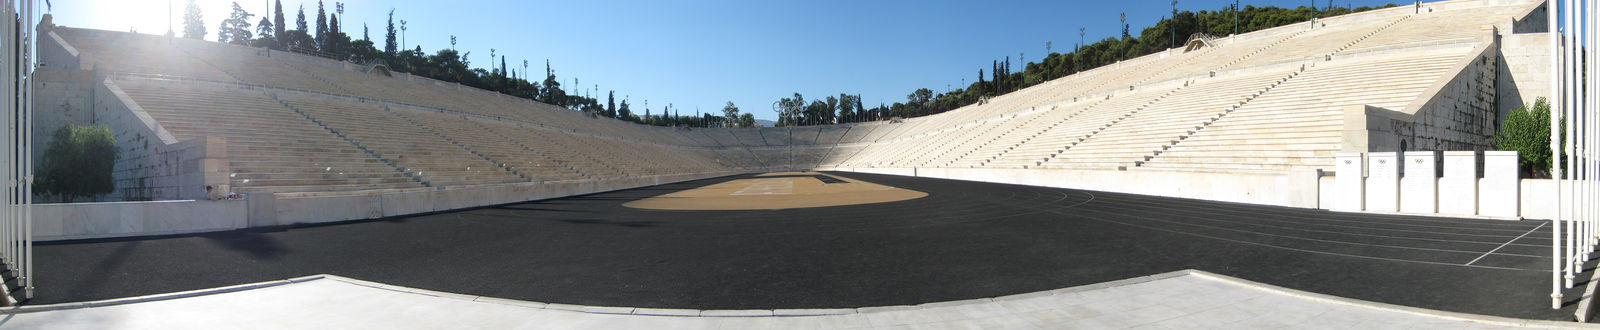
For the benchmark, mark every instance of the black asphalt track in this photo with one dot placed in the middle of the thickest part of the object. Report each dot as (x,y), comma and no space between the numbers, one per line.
(965,240)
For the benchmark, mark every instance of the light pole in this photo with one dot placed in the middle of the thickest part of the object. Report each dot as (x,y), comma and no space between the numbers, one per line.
(1236,17)
(403,34)
(1173,25)
(1123,17)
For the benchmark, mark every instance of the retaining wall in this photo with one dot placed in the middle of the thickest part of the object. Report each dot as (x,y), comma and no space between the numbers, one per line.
(1296,189)
(118,219)
(127,219)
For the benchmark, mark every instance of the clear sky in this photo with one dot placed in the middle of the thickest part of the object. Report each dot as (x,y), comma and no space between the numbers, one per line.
(705,53)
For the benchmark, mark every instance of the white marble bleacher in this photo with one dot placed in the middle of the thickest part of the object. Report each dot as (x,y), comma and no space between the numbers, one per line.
(830,135)
(729,151)
(137,54)
(255,66)
(1159,124)
(1052,116)
(782,136)
(558,146)
(1094,118)
(270,147)
(1316,43)
(806,136)
(1298,124)
(417,150)
(638,159)
(749,137)
(959,145)
(859,131)
(1438,27)
(474,135)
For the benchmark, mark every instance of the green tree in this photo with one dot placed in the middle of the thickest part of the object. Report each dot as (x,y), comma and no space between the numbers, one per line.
(626,114)
(264,30)
(277,23)
(389,45)
(300,20)
(1527,131)
(730,113)
(611,104)
(552,93)
(747,120)
(194,26)
(78,162)
(235,29)
(322,27)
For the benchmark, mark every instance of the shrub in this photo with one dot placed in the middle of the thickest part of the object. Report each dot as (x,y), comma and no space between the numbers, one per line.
(1528,133)
(78,162)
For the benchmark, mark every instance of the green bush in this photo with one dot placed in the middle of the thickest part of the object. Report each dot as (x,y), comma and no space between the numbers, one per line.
(78,162)
(1528,133)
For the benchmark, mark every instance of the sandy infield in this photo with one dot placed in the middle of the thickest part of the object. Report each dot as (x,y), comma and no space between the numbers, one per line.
(777,191)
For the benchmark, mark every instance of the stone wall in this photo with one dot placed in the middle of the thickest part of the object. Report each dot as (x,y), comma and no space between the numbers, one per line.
(1295,189)
(61,97)
(1524,71)
(128,219)
(55,53)
(1535,20)
(1457,113)
(151,163)
(53,222)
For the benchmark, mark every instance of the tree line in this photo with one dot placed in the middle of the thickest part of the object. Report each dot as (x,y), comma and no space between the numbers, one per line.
(329,39)
(1002,78)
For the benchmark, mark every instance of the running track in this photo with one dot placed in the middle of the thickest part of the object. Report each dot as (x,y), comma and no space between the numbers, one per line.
(965,240)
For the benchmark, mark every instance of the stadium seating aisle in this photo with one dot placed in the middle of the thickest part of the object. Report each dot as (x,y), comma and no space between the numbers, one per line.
(463,130)
(1158,124)
(1437,28)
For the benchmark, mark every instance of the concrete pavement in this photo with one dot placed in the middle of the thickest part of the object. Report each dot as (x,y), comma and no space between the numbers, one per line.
(1185,299)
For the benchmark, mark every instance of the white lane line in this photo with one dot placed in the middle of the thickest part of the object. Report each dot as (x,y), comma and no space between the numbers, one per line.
(1485,254)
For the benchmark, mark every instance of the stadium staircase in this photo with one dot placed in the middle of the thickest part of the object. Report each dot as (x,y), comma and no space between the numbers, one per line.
(468,147)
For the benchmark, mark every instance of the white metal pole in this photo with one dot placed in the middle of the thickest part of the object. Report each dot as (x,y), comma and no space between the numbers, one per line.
(27,153)
(1592,107)
(1571,246)
(1587,239)
(16,132)
(1576,142)
(1555,149)
(14,101)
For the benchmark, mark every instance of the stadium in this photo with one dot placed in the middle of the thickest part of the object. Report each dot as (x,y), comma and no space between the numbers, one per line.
(1336,173)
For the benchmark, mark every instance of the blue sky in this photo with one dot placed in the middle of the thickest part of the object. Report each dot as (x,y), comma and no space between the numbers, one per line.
(704,53)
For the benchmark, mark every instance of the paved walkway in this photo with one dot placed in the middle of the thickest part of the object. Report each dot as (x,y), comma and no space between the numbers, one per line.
(1184,299)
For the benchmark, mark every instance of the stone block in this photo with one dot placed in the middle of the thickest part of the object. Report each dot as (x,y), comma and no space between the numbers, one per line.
(262,208)
(1458,189)
(1348,181)
(403,203)
(1420,185)
(1383,182)
(1499,188)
